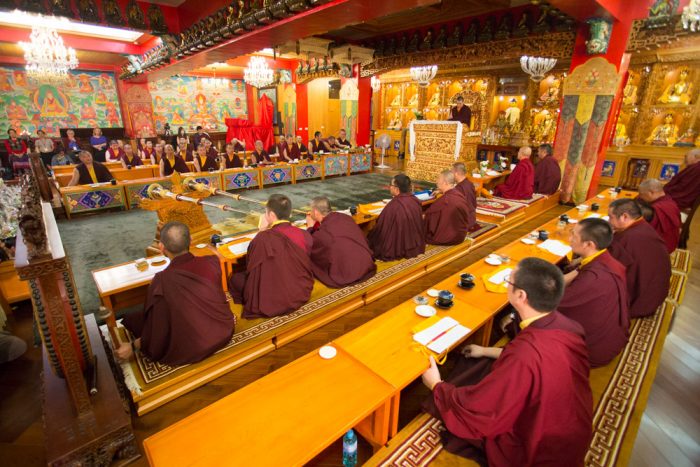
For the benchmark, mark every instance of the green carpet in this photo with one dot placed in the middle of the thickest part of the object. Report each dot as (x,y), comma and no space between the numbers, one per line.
(109,238)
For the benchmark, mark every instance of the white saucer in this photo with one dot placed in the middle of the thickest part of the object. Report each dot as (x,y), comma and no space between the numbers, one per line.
(573,221)
(527,241)
(327,352)
(433,292)
(201,245)
(600,196)
(425,311)
(493,261)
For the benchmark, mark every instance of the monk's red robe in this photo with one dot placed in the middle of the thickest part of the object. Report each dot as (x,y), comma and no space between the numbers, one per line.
(186,155)
(283,152)
(447,219)
(133,162)
(186,317)
(547,176)
(399,232)
(520,183)
(207,163)
(294,151)
(466,187)
(178,165)
(667,221)
(278,277)
(535,405)
(232,162)
(340,255)
(597,300)
(643,253)
(261,157)
(684,187)
(114,156)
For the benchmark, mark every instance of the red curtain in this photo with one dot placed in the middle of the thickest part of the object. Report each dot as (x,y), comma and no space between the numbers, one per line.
(244,130)
(265,110)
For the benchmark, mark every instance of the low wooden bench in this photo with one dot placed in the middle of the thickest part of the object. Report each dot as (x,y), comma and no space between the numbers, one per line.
(12,289)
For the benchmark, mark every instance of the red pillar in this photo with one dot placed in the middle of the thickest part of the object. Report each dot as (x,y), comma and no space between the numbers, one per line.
(364,111)
(302,112)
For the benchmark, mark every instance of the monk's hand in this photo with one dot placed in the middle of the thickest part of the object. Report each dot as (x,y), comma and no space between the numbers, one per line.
(570,276)
(262,223)
(473,351)
(309,220)
(431,377)
(124,352)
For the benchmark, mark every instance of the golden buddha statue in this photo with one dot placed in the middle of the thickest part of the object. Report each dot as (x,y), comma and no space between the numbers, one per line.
(679,92)
(396,100)
(413,101)
(434,99)
(395,123)
(665,134)
(629,95)
(544,130)
(551,95)
(620,130)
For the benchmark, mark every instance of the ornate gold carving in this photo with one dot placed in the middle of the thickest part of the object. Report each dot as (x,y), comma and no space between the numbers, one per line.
(31,220)
(595,77)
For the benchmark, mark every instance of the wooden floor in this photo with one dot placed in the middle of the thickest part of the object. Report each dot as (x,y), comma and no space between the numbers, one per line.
(669,435)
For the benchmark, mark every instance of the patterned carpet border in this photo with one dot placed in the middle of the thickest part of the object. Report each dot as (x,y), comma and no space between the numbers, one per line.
(420,448)
(153,371)
(497,206)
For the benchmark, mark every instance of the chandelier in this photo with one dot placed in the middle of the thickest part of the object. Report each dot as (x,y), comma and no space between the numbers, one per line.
(48,59)
(537,67)
(691,16)
(258,74)
(423,74)
(214,84)
(375,83)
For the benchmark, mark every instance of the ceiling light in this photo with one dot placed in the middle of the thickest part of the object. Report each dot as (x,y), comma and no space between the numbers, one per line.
(423,74)
(537,67)
(18,18)
(257,73)
(48,60)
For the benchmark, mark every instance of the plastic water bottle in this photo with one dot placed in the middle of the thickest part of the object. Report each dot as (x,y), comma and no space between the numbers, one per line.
(350,449)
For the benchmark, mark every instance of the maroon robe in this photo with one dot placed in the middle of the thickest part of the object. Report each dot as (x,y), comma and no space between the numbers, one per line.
(112,156)
(232,162)
(640,249)
(463,115)
(466,187)
(535,405)
(178,166)
(343,143)
(520,183)
(147,153)
(294,151)
(667,221)
(101,172)
(186,155)
(208,163)
(399,232)
(547,176)
(186,317)
(237,146)
(321,145)
(134,162)
(447,219)
(340,255)
(282,151)
(278,277)
(261,157)
(597,300)
(684,187)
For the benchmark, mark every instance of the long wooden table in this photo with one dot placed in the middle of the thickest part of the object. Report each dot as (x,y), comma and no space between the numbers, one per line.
(383,347)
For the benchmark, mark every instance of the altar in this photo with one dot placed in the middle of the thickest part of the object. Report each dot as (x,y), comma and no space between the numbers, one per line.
(435,145)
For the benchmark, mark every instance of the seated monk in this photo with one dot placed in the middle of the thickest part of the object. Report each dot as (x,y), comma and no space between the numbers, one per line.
(665,215)
(447,220)
(186,317)
(204,162)
(172,163)
(129,159)
(547,171)
(342,139)
(278,278)
(211,150)
(260,156)
(183,150)
(317,144)
(399,232)
(303,149)
(340,255)
(283,151)
(294,149)
(230,159)
(521,182)
(158,153)
(596,292)
(466,187)
(114,152)
(89,171)
(684,187)
(529,403)
(640,249)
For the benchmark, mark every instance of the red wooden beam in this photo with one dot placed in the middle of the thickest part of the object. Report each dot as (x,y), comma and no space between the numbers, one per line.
(333,15)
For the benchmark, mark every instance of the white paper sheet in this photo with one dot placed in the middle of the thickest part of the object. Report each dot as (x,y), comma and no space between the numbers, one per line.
(423,196)
(239,248)
(426,335)
(555,247)
(449,339)
(376,211)
(501,276)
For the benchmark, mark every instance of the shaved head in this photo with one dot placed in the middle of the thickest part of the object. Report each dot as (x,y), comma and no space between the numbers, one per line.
(459,168)
(447,176)
(322,204)
(175,237)
(651,189)
(692,156)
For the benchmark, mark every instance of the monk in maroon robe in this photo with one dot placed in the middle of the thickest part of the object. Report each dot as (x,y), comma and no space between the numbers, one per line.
(230,159)
(114,152)
(534,406)
(89,171)
(596,292)
(547,171)
(184,151)
(461,113)
(172,163)
(447,220)
(640,249)
(260,156)
(203,162)
(294,149)
(340,255)
(129,158)
(399,232)
(318,144)
(278,278)
(665,215)
(521,181)
(283,150)
(684,187)
(466,187)
(186,317)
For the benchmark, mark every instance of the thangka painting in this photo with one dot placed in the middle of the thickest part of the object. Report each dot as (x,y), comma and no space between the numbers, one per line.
(185,101)
(349,94)
(88,99)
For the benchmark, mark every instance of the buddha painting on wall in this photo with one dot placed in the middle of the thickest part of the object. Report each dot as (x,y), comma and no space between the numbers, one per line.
(679,91)
(664,134)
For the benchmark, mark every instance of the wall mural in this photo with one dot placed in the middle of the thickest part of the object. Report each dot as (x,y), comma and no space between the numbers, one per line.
(185,101)
(349,94)
(88,99)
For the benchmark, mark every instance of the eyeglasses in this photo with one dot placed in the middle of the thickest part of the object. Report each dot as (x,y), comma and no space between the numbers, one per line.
(508,281)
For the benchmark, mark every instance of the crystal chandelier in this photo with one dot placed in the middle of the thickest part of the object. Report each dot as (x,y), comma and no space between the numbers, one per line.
(691,16)
(214,84)
(423,74)
(375,83)
(48,59)
(258,74)
(537,67)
